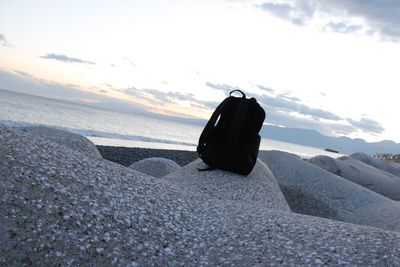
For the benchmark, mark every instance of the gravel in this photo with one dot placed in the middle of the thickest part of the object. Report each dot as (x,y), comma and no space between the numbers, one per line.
(126,156)
(62,207)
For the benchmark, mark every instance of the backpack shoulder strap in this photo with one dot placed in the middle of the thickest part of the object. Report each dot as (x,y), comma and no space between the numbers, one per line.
(211,122)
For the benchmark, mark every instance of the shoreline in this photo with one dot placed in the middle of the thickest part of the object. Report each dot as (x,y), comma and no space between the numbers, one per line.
(125,156)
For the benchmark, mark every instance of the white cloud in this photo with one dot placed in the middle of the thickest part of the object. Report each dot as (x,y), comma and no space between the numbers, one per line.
(380,17)
(367,125)
(287,110)
(3,41)
(67,59)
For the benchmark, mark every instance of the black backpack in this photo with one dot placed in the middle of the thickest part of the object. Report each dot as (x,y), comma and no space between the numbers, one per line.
(230,140)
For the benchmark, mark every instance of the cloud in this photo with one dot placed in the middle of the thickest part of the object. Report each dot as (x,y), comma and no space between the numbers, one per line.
(297,12)
(343,27)
(22,73)
(67,59)
(283,100)
(3,41)
(130,62)
(159,97)
(26,83)
(281,117)
(169,96)
(23,82)
(151,95)
(292,105)
(286,110)
(269,90)
(288,96)
(282,109)
(380,17)
(367,125)
(205,104)
(132,91)
(226,89)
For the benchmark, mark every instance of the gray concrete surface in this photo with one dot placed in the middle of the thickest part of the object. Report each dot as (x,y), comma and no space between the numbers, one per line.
(385,165)
(60,207)
(155,166)
(363,174)
(258,187)
(65,138)
(312,190)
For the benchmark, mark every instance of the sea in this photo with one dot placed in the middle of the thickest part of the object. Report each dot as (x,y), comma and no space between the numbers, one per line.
(113,128)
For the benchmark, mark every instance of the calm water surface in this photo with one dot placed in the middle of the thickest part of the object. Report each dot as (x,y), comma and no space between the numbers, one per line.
(105,127)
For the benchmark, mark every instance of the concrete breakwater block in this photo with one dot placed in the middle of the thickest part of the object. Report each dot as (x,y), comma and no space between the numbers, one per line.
(312,190)
(155,166)
(259,186)
(385,165)
(360,173)
(60,207)
(65,138)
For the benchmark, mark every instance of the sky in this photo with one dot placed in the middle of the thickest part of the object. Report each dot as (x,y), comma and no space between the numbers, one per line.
(328,65)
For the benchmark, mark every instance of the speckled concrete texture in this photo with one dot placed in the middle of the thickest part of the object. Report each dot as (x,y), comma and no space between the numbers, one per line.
(312,190)
(71,140)
(363,174)
(155,166)
(387,166)
(258,187)
(60,207)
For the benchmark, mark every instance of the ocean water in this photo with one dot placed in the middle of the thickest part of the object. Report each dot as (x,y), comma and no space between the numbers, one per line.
(105,127)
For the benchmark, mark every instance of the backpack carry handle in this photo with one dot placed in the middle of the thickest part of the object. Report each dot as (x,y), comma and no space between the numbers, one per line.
(237,90)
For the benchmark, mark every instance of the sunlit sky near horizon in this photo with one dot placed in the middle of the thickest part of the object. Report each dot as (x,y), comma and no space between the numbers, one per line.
(327,65)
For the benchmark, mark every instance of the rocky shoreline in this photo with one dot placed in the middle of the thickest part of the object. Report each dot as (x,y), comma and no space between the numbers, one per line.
(126,156)
(61,206)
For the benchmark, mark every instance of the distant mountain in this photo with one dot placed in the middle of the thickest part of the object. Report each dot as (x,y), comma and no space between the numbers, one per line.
(312,138)
(315,139)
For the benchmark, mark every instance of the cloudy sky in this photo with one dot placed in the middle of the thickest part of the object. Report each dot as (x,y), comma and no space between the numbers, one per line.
(328,65)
